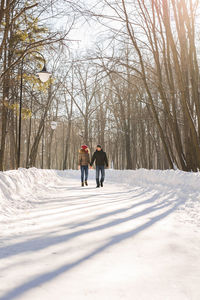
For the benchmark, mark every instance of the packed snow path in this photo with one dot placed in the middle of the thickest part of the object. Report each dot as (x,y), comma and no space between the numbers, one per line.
(117,242)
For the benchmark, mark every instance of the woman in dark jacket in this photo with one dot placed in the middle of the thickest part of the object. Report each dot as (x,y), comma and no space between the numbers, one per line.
(84,161)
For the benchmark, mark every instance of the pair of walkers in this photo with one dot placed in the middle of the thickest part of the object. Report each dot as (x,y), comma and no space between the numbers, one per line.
(99,157)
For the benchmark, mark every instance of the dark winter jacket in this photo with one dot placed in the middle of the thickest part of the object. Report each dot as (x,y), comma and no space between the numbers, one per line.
(100,158)
(83,158)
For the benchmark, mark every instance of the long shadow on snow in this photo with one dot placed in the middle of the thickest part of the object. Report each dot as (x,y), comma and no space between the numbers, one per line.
(99,216)
(116,239)
(100,203)
(108,214)
(44,242)
(70,203)
(85,205)
(74,197)
(117,211)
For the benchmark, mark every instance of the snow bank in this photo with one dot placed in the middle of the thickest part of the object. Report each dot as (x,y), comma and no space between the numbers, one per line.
(142,177)
(19,188)
(183,185)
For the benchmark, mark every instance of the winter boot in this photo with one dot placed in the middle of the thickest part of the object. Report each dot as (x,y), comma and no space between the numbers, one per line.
(97,183)
(86,183)
(82,184)
(101,184)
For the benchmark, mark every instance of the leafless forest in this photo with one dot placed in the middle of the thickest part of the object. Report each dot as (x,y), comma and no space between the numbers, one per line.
(136,91)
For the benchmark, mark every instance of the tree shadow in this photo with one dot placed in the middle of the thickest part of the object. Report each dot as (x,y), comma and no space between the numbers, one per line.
(114,240)
(68,204)
(43,242)
(117,211)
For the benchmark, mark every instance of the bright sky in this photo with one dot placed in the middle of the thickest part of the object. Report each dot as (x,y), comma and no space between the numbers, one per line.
(86,32)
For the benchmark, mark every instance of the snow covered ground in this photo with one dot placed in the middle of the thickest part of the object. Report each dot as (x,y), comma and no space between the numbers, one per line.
(137,238)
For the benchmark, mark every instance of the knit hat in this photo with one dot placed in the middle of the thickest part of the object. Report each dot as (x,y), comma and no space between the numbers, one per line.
(84,147)
(98,146)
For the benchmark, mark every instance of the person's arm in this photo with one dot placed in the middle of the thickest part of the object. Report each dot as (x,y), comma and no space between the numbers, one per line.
(93,159)
(88,158)
(106,160)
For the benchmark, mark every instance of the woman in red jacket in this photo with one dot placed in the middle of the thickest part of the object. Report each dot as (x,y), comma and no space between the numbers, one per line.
(84,161)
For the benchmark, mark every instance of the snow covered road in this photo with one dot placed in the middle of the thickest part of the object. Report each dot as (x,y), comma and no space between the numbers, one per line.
(117,242)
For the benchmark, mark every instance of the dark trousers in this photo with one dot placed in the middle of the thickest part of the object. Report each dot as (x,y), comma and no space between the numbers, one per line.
(98,170)
(84,171)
